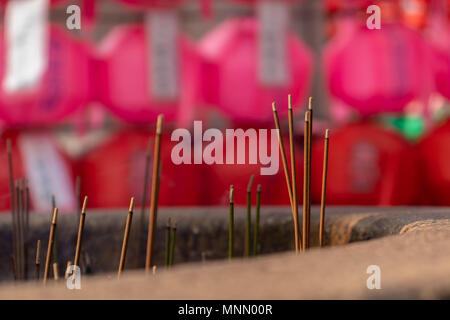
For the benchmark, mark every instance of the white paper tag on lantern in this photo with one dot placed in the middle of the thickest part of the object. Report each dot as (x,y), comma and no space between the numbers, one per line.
(26,43)
(47,173)
(162,30)
(273,17)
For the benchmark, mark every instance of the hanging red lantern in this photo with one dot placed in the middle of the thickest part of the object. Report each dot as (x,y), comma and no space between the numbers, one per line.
(247,63)
(435,155)
(148,69)
(376,71)
(368,165)
(48,171)
(43,70)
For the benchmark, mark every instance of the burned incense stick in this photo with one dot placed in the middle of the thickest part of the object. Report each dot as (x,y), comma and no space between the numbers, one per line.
(168,242)
(51,240)
(154,270)
(20,241)
(14,267)
(12,196)
(324,186)
(285,166)
(55,271)
(305,183)
(293,176)
(310,127)
(248,232)
(67,273)
(231,225)
(37,263)
(256,230)
(76,260)
(144,196)
(173,239)
(154,195)
(27,224)
(126,235)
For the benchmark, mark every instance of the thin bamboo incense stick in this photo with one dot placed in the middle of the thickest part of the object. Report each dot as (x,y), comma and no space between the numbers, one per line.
(51,240)
(55,271)
(231,225)
(305,183)
(19,212)
(173,239)
(37,263)
(67,273)
(168,233)
(283,152)
(285,165)
(154,195)
(55,246)
(248,231)
(12,196)
(256,230)
(293,176)
(14,267)
(140,235)
(76,260)
(126,235)
(311,118)
(324,186)
(27,224)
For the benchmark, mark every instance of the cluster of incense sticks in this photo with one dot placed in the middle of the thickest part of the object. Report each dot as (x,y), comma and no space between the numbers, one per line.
(302,238)
(249,247)
(171,232)
(20,219)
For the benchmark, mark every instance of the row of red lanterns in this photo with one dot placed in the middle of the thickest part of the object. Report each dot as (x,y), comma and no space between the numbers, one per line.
(138,73)
(368,165)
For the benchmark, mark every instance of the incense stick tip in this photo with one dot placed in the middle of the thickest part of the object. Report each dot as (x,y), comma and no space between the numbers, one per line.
(250,183)
(83,208)
(310,103)
(258,188)
(327,133)
(131,205)
(159,123)
(55,215)
(231,193)
(274,108)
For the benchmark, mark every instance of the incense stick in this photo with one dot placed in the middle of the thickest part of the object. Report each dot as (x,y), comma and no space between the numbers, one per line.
(27,224)
(324,186)
(51,240)
(231,225)
(12,196)
(144,196)
(173,239)
(168,233)
(55,271)
(76,260)
(305,183)
(309,169)
(67,273)
(19,213)
(285,167)
(154,195)
(14,267)
(249,217)
(256,230)
(37,263)
(293,176)
(126,235)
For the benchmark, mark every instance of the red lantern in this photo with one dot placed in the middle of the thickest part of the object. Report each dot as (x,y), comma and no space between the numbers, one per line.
(248,63)
(62,88)
(114,172)
(148,69)
(435,155)
(376,71)
(368,165)
(37,158)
